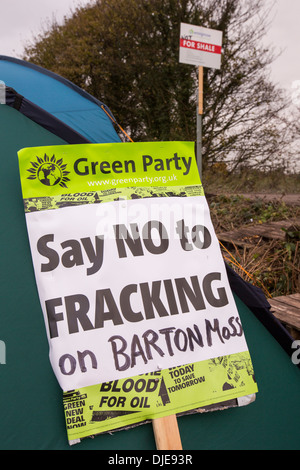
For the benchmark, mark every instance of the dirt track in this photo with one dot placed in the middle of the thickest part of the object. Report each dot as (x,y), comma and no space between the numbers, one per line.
(291,199)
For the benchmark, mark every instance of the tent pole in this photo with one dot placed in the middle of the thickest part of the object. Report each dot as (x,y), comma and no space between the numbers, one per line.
(2,92)
(199,120)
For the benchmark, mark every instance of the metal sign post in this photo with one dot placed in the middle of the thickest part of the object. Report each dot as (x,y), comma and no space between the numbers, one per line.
(199,120)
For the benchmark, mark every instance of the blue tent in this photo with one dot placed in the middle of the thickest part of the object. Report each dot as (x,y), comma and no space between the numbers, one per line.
(61,99)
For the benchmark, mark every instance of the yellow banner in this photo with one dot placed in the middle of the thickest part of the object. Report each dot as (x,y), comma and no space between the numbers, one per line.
(121,403)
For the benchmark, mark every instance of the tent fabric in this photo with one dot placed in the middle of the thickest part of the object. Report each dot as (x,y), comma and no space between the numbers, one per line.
(255,300)
(61,98)
(41,117)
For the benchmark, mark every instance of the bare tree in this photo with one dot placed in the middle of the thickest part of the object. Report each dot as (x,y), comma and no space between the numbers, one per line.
(125,52)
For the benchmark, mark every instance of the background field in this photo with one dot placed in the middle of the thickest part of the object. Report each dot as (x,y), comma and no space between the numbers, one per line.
(252,198)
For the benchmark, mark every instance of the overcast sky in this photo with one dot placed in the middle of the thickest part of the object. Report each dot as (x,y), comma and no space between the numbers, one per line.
(21,19)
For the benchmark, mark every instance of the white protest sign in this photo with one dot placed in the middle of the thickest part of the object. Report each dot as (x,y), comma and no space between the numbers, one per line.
(200,46)
(130,287)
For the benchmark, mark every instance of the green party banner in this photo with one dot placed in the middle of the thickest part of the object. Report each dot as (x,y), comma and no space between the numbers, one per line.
(139,314)
(86,168)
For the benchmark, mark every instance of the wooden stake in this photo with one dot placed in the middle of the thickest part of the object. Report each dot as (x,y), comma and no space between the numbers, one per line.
(166,433)
(200,90)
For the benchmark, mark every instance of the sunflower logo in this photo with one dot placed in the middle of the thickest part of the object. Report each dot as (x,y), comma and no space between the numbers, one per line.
(49,171)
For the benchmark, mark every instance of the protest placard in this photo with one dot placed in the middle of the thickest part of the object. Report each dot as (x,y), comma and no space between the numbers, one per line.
(139,314)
